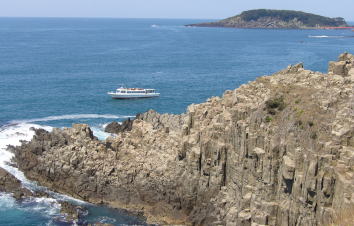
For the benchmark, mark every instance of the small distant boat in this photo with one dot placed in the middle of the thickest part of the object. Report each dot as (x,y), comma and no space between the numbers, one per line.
(129,93)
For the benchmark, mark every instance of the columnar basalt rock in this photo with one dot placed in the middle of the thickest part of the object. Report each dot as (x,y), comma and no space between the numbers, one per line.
(275,151)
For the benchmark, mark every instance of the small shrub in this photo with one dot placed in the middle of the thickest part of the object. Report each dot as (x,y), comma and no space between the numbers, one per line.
(310,123)
(297,101)
(268,119)
(275,104)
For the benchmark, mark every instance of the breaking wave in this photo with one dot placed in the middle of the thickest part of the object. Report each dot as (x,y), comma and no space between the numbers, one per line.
(68,117)
(100,133)
(44,208)
(13,135)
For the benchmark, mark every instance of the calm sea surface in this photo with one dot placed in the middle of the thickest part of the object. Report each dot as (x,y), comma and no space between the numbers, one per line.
(55,72)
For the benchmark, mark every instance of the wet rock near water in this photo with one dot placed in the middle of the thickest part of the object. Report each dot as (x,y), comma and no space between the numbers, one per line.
(10,184)
(72,213)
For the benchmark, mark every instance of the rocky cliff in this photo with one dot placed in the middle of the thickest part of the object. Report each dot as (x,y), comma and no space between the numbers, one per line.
(267,18)
(275,151)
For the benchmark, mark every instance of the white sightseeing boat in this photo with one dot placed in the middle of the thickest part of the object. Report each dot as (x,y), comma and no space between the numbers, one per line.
(127,93)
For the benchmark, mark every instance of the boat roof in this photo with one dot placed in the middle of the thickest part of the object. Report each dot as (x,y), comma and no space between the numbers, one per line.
(134,88)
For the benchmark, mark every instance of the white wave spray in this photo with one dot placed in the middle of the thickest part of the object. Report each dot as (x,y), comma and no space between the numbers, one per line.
(69,117)
(12,135)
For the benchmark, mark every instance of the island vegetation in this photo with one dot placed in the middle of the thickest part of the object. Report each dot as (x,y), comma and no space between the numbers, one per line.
(269,18)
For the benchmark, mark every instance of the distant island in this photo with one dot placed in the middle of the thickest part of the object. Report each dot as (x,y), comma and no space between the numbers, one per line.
(276,19)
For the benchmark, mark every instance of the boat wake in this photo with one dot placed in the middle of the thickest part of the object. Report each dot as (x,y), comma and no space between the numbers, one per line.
(325,36)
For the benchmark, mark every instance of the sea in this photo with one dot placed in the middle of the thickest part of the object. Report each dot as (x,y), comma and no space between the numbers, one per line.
(57,71)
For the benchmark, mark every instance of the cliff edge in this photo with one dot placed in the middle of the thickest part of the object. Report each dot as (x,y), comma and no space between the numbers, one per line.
(269,18)
(275,151)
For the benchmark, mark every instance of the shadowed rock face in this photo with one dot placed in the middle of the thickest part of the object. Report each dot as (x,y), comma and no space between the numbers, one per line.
(276,151)
(115,127)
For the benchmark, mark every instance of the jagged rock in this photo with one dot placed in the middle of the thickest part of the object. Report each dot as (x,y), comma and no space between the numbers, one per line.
(228,161)
(10,184)
(72,213)
(162,120)
(115,127)
(337,68)
(343,67)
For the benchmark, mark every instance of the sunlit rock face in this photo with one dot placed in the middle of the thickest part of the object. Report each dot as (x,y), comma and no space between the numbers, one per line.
(275,151)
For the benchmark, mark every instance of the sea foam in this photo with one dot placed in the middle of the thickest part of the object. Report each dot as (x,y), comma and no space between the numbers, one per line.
(12,135)
(68,117)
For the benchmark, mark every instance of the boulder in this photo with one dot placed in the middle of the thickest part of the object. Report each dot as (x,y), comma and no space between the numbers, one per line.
(337,68)
(116,127)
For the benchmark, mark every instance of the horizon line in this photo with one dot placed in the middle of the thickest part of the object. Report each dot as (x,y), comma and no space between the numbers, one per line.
(103,17)
(109,17)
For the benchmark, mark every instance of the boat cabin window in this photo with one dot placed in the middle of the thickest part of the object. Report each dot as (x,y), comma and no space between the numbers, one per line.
(122,91)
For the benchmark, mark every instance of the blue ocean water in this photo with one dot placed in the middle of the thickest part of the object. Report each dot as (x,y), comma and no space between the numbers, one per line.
(55,72)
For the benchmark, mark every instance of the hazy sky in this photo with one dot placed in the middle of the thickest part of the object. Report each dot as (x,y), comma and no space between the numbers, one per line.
(167,8)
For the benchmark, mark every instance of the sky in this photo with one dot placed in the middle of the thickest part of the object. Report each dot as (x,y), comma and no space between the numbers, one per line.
(193,9)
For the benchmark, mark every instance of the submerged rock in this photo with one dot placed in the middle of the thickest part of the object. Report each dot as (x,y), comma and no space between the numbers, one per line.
(276,151)
(72,213)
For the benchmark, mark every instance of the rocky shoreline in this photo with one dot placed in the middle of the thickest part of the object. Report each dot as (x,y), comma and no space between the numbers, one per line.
(9,184)
(276,151)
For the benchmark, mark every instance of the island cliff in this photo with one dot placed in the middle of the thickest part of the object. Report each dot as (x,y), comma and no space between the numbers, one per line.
(267,18)
(275,151)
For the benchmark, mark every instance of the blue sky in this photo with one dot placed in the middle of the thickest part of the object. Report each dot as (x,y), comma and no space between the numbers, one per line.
(204,9)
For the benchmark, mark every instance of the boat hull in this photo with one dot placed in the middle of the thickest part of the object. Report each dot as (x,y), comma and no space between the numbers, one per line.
(133,96)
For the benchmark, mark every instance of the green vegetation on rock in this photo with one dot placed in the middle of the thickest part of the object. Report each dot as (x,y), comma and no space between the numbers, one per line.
(308,19)
(269,18)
